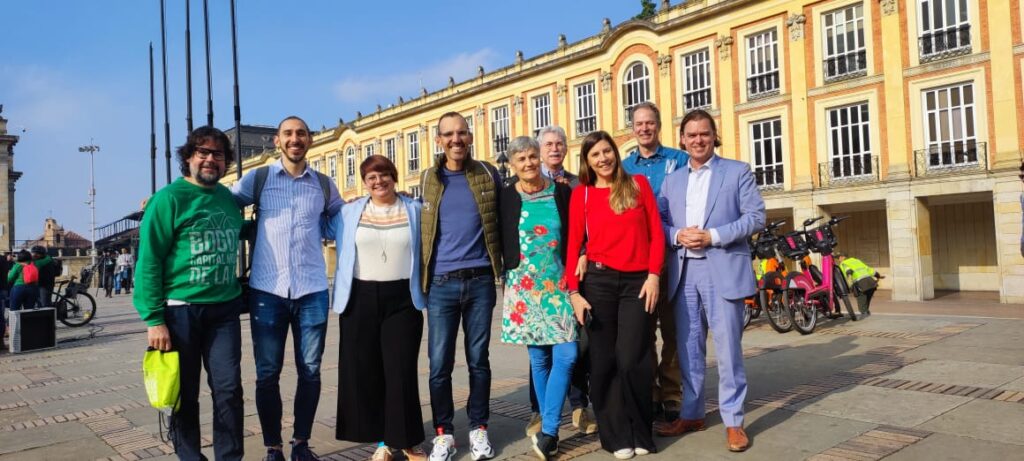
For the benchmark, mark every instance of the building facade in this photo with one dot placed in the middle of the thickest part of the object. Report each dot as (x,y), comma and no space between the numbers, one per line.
(8,177)
(904,115)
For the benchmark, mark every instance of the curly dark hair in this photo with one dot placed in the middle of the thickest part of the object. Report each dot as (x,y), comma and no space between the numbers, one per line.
(199,136)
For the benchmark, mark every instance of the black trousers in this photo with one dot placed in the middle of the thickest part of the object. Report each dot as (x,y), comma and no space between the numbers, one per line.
(621,359)
(208,336)
(379,396)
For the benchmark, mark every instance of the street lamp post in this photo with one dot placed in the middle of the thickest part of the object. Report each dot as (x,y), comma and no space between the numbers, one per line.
(92,149)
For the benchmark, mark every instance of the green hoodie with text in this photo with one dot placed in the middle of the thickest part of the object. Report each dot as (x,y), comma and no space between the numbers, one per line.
(188,244)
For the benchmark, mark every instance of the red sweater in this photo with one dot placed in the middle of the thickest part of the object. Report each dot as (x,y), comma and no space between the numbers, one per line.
(620,241)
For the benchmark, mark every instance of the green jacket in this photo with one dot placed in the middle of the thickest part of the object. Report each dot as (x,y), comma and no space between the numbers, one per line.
(485,193)
(15,276)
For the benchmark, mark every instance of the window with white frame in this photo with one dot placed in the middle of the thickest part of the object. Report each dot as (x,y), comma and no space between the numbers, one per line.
(438,150)
(369,150)
(332,167)
(414,151)
(415,191)
(499,130)
(944,27)
(586,108)
(844,47)
(469,122)
(541,112)
(389,149)
(697,80)
(636,88)
(350,167)
(766,152)
(763,64)
(316,166)
(950,136)
(849,141)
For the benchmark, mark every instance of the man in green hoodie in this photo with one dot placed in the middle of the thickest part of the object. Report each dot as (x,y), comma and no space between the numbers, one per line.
(187,290)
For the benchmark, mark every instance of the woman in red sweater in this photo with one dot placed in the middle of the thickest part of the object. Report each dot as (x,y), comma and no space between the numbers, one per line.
(617,216)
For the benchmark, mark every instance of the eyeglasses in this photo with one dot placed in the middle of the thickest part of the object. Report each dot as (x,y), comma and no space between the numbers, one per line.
(204,153)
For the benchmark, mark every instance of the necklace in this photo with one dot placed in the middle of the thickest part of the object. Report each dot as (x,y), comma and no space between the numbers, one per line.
(382,213)
(522,187)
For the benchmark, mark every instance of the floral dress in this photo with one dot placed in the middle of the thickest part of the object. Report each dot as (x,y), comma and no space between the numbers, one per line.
(536,307)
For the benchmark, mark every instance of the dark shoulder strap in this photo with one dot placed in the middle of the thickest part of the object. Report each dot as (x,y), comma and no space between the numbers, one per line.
(257,190)
(325,186)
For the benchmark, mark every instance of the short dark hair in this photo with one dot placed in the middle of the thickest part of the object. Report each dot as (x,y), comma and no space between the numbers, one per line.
(24,256)
(293,117)
(380,164)
(697,115)
(447,115)
(199,136)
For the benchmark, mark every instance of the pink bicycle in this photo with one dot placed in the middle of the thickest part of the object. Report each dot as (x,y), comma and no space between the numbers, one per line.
(815,291)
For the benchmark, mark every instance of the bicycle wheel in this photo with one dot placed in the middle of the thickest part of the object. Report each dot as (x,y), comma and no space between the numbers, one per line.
(747,315)
(81,309)
(773,302)
(842,292)
(802,313)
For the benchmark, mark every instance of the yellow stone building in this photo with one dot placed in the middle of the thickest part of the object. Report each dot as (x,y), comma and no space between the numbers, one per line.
(905,115)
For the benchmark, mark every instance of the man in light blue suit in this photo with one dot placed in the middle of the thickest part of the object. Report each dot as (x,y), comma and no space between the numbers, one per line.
(709,209)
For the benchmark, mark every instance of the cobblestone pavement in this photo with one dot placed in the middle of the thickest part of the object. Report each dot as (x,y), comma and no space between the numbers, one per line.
(904,384)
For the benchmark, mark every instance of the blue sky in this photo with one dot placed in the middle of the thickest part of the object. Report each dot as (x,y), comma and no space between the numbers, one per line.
(71,71)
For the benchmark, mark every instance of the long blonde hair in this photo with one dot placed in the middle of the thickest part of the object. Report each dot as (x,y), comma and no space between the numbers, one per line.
(624,191)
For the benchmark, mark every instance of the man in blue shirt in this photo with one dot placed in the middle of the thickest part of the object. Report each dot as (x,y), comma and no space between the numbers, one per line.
(655,161)
(289,284)
(461,247)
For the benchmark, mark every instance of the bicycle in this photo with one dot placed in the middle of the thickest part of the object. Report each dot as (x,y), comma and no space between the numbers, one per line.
(75,306)
(814,290)
(770,287)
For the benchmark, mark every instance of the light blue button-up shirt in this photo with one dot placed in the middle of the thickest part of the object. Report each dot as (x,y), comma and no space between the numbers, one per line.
(288,259)
(664,161)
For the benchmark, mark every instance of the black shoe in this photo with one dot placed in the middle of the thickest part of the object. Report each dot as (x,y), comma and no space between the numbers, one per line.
(274,455)
(658,410)
(301,452)
(546,446)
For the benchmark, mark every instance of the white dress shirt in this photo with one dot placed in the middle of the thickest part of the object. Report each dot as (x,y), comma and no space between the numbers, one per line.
(696,200)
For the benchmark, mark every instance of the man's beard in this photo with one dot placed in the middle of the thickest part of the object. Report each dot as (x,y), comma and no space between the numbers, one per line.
(206,179)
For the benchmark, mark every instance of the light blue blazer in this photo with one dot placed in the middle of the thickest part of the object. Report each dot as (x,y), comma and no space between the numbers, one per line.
(734,208)
(344,224)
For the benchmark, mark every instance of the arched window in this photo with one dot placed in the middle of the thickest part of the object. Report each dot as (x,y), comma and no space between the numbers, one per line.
(350,167)
(636,88)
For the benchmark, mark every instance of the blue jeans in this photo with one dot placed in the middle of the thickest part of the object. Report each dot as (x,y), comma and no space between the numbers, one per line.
(270,317)
(471,300)
(208,336)
(551,367)
(24,297)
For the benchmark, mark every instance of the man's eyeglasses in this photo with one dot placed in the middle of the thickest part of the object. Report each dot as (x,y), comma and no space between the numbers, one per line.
(204,153)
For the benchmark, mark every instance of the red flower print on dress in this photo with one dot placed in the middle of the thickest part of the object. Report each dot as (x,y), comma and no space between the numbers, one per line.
(526,283)
(553,243)
(520,307)
(540,230)
(516,318)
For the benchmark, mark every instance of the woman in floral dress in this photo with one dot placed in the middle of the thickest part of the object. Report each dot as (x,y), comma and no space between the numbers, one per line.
(537,312)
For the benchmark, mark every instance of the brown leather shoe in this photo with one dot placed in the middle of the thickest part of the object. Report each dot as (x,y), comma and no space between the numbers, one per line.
(737,438)
(678,427)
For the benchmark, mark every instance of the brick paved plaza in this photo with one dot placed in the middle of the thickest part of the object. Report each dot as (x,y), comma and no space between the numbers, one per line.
(936,381)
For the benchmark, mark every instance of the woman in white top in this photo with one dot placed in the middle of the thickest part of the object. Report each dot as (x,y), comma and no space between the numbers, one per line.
(379,300)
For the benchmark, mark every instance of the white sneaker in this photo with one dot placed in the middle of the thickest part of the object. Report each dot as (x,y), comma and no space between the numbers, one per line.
(444,448)
(479,444)
(641,451)
(624,453)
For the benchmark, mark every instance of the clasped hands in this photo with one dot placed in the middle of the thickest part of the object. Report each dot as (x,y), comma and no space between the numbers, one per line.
(693,238)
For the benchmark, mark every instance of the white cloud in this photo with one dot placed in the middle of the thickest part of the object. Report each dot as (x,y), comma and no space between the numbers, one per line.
(386,88)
